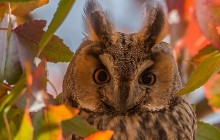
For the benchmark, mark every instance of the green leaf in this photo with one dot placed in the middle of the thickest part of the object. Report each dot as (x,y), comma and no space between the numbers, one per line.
(26,129)
(78,127)
(13,117)
(15,93)
(214,101)
(4,134)
(61,13)
(206,131)
(203,53)
(203,72)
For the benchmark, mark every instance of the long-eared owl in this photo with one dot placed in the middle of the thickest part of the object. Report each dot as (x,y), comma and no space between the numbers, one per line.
(127,82)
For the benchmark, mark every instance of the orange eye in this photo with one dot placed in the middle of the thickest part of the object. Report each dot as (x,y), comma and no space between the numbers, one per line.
(101,76)
(147,78)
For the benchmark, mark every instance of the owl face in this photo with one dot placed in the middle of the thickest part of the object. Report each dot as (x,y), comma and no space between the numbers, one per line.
(118,73)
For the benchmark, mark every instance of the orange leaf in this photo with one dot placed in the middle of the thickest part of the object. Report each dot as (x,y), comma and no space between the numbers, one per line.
(61,112)
(179,15)
(20,8)
(2,11)
(23,8)
(212,88)
(101,135)
(29,76)
(48,122)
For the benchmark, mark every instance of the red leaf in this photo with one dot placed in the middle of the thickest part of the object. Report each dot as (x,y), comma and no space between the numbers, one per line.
(22,44)
(193,40)
(55,50)
(208,18)
(36,83)
(179,12)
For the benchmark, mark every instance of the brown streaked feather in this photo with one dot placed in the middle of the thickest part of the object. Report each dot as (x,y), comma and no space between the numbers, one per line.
(154,27)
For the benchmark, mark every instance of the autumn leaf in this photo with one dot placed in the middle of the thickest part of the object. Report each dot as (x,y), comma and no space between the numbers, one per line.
(4,134)
(10,64)
(38,89)
(202,54)
(16,91)
(62,11)
(101,135)
(48,122)
(184,30)
(26,129)
(2,11)
(15,0)
(212,92)
(206,131)
(4,88)
(22,45)
(208,18)
(77,126)
(178,16)
(22,7)
(36,85)
(55,50)
(214,101)
(203,72)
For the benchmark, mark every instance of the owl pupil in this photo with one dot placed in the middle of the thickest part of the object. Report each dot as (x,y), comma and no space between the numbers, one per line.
(102,76)
(148,78)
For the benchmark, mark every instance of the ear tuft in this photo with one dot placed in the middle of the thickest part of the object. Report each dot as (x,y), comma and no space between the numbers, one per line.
(97,23)
(155,25)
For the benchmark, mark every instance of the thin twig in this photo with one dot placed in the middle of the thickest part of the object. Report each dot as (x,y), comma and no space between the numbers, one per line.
(5,29)
(54,88)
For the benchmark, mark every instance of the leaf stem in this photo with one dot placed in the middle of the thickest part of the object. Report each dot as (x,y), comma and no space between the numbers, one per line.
(7,125)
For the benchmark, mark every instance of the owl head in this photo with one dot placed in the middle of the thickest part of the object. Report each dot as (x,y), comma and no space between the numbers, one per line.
(117,73)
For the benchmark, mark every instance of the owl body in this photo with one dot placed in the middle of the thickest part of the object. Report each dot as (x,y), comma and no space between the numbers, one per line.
(127,82)
(174,122)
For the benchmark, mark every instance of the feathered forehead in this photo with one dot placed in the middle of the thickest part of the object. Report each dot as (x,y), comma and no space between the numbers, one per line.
(100,29)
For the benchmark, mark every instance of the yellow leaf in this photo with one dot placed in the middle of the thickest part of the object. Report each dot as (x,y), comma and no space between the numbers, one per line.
(101,135)
(214,101)
(23,8)
(48,125)
(26,129)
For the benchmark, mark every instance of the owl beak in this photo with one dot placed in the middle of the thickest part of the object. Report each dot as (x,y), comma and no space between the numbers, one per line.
(124,90)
